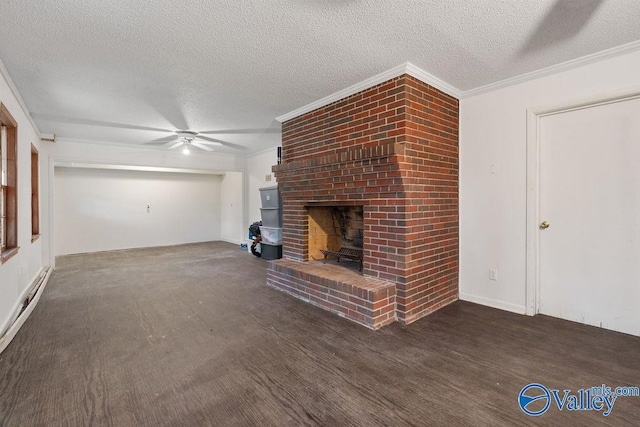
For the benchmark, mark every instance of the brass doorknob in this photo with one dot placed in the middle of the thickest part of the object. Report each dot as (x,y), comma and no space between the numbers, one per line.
(544,225)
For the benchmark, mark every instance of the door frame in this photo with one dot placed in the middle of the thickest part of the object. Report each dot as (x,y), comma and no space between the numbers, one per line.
(532,282)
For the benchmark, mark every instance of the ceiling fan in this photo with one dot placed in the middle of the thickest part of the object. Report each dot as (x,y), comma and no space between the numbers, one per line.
(187,139)
(175,138)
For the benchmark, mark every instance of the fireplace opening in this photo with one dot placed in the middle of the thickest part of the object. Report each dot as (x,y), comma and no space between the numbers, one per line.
(336,235)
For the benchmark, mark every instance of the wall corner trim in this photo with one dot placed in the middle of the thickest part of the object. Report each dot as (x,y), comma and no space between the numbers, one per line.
(406,68)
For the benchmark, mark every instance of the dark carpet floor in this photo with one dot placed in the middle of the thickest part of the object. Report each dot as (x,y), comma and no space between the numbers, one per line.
(191,336)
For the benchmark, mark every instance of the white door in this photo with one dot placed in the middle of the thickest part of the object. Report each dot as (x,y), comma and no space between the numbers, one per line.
(589,256)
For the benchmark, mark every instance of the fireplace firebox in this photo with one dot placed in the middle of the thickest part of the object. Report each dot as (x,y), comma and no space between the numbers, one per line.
(336,232)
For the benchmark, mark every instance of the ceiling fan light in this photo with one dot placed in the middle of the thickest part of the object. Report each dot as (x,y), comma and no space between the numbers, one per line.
(186,150)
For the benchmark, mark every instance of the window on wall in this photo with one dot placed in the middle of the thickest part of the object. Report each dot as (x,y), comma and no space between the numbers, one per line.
(35,195)
(8,189)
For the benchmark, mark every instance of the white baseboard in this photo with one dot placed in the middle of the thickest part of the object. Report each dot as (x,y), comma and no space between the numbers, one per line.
(19,321)
(494,303)
(235,242)
(17,305)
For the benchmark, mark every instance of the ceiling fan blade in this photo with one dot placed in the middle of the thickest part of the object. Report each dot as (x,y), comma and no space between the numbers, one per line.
(81,121)
(202,147)
(217,144)
(564,20)
(239,131)
(161,141)
(226,144)
(176,145)
(166,104)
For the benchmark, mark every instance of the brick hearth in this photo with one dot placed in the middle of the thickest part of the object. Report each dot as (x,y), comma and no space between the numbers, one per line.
(343,291)
(393,151)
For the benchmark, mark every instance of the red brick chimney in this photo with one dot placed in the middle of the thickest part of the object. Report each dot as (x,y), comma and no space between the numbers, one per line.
(393,151)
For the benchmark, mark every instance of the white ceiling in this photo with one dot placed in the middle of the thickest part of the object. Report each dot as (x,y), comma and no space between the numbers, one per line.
(131,71)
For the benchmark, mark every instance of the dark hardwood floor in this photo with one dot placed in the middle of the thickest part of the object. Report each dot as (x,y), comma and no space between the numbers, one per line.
(191,336)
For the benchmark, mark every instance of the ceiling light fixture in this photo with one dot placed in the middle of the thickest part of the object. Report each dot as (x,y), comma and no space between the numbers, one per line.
(186,150)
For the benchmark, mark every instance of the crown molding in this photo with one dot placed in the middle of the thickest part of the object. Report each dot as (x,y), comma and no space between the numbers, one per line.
(431,80)
(553,69)
(14,91)
(360,86)
(406,68)
(414,71)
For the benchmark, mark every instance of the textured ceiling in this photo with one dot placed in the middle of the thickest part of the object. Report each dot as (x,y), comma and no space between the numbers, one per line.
(128,71)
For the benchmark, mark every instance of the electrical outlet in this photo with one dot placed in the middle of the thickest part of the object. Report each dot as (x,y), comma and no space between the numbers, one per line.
(267,178)
(493,274)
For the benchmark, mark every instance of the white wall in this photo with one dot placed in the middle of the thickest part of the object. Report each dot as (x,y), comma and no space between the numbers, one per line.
(232,208)
(258,167)
(67,153)
(493,206)
(100,210)
(239,195)
(17,273)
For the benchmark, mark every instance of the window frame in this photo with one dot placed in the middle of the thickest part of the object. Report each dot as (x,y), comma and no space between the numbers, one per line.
(35,194)
(9,192)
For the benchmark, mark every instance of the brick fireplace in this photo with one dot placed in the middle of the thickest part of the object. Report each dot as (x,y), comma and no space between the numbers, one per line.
(385,160)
